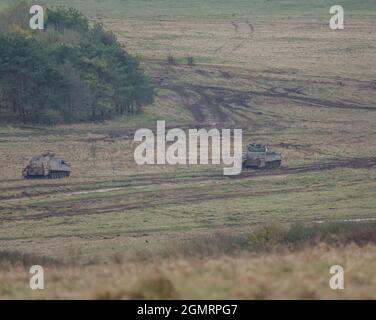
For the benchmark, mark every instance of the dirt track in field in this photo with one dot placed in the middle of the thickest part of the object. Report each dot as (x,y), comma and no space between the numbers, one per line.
(368,162)
(180,196)
(147,180)
(208,103)
(209,106)
(218,104)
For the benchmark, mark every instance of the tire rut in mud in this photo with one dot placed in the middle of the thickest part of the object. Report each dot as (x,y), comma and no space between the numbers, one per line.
(367,162)
(208,103)
(357,163)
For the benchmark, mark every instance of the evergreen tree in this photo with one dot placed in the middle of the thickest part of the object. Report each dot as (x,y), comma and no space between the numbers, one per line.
(69,72)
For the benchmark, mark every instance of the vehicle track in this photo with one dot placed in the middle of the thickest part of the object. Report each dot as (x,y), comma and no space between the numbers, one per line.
(214,103)
(155,200)
(367,162)
(186,197)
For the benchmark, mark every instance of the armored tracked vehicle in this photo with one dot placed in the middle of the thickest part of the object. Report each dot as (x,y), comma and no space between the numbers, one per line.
(46,166)
(260,156)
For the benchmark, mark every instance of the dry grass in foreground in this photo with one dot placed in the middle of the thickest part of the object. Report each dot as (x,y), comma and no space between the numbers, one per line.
(273,275)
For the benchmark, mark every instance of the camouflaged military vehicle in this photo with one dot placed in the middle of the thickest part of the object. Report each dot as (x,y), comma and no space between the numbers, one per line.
(260,156)
(46,166)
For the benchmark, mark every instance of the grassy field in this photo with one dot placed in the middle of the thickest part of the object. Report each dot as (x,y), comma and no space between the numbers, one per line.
(290,275)
(272,68)
(148,214)
(156,9)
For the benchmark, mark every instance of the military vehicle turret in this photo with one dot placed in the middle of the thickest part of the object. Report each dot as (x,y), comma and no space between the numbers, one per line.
(260,156)
(46,166)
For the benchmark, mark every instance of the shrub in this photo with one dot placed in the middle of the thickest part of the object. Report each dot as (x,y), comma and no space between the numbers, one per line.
(15,258)
(273,236)
(266,237)
(336,233)
(157,286)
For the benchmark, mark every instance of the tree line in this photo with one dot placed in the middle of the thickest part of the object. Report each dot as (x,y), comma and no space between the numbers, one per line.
(69,72)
